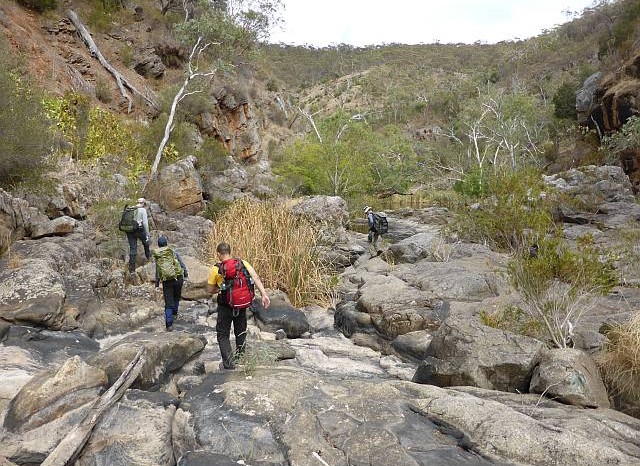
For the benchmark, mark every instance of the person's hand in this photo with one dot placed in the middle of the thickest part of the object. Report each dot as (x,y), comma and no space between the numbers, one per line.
(265,301)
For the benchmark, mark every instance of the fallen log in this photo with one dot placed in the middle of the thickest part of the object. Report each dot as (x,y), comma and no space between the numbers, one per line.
(72,444)
(95,51)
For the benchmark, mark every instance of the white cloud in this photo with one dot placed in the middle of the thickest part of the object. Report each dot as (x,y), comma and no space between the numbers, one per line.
(367,22)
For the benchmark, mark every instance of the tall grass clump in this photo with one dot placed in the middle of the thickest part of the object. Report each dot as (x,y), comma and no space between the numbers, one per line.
(279,245)
(620,361)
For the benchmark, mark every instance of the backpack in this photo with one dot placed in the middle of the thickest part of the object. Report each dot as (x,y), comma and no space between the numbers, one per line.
(167,264)
(237,289)
(380,222)
(128,221)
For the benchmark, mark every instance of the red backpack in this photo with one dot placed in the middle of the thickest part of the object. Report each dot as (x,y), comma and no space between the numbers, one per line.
(237,289)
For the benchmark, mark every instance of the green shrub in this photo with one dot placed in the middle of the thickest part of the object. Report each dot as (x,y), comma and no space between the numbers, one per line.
(40,5)
(558,284)
(510,210)
(513,319)
(25,136)
(564,101)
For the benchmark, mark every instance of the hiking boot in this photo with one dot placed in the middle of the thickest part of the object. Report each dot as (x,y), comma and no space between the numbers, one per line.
(228,366)
(169,327)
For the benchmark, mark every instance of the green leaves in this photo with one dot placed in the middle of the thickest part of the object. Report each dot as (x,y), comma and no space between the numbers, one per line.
(351,159)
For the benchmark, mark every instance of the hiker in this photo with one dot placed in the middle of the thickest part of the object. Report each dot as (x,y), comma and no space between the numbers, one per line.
(377,226)
(135,223)
(171,271)
(233,280)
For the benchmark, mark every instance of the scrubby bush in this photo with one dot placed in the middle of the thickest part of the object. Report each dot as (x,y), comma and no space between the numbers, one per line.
(40,5)
(25,139)
(280,246)
(509,210)
(558,284)
(564,101)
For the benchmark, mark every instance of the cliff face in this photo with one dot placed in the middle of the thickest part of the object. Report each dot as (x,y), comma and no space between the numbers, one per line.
(606,102)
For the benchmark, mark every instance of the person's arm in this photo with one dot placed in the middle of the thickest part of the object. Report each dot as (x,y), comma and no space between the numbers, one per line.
(256,279)
(371,222)
(145,221)
(185,273)
(157,276)
(212,281)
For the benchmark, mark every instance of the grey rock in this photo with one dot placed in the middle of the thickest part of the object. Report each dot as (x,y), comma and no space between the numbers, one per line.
(51,394)
(56,227)
(165,354)
(465,352)
(570,376)
(281,316)
(148,64)
(179,187)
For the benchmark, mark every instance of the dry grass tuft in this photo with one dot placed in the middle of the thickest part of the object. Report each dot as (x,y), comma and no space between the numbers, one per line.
(279,245)
(620,362)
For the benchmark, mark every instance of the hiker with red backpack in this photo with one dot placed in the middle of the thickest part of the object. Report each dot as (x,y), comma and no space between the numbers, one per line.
(171,271)
(233,279)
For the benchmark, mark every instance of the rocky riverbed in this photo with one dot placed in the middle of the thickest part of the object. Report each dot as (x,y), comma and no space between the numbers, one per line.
(401,371)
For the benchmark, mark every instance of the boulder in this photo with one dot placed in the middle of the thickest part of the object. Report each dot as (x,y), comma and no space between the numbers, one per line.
(195,287)
(466,352)
(49,395)
(570,376)
(148,64)
(280,315)
(593,184)
(322,210)
(33,293)
(179,187)
(520,429)
(397,308)
(413,345)
(165,354)
(416,247)
(472,279)
(56,227)
(17,217)
(135,433)
(586,98)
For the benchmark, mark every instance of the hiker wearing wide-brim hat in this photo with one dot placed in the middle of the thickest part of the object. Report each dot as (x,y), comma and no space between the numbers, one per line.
(140,232)
(377,225)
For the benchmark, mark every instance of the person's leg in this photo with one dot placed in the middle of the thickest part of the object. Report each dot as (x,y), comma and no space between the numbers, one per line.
(240,330)
(223,329)
(133,251)
(168,292)
(376,235)
(177,293)
(145,243)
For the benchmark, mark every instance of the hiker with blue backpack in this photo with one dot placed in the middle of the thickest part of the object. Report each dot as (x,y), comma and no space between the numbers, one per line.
(135,223)
(378,225)
(233,280)
(171,271)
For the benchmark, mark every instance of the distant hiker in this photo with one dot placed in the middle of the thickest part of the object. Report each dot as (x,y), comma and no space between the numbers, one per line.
(233,280)
(171,271)
(378,225)
(135,223)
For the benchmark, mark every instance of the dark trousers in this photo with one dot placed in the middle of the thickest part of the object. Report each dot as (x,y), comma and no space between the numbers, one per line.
(172,290)
(133,238)
(223,329)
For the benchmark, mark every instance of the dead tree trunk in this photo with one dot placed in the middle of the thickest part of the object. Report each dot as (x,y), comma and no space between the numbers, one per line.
(95,51)
(70,447)
(192,73)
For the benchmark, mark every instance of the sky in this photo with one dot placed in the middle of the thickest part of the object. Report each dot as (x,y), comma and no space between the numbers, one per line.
(372,22)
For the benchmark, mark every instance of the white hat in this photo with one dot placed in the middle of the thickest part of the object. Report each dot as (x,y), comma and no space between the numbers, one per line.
(141,201)
(366,209)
